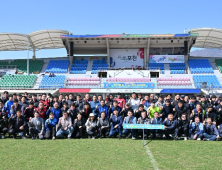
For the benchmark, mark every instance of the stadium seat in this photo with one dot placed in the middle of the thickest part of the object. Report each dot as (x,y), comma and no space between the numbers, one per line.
(57,66)
(200,66)
(211,80)
(79,67)
(52,82)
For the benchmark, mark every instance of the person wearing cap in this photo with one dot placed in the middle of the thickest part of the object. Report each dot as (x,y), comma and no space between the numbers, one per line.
(103,125)
(211,113)
(15,107)
(50,127)
(196,129)
(17,125)
(108,100)
(116,122)
(125,110)
(91,126)
(64,126)
(9,103)
(41,109)
(210,131)
(115,106)
(5,98)
(36,126)
(3,124)
(56,110)
(134,102)
(94,103)
(102,108)
(152,109)
(120,100)
(130,119)
(79,126)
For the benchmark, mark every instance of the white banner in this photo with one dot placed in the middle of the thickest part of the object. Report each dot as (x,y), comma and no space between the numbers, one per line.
(166,59)
(126,58)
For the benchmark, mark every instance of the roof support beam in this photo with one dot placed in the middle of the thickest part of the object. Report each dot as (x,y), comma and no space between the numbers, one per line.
(108,51)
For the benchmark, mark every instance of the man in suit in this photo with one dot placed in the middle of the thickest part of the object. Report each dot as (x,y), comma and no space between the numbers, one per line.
(143,120)
(130,119)
(156,120)
(116,124)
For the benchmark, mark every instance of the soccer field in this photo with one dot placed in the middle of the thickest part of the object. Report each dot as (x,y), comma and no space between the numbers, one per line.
(109,154)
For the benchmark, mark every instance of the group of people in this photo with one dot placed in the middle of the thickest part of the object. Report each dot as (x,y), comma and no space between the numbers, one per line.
(68,116)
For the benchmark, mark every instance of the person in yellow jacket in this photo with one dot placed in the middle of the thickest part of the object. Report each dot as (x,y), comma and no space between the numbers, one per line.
(152,109)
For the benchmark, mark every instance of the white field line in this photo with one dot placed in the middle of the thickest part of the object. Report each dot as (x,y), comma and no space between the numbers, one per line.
(152,159)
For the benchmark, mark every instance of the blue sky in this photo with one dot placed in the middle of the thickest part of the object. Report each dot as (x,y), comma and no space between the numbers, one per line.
(105,17)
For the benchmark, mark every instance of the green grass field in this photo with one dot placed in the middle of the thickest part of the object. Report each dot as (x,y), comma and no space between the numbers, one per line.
(108,154)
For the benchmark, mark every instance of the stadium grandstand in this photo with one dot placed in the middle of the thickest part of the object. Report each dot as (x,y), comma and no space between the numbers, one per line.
(112,63)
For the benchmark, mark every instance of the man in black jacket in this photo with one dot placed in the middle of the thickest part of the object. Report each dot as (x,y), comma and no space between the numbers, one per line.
(138,112)
(103,125)
(211,113)
(79,103)
(3,124)
(219,113)
(179,110)
(125,110)
(183,126)
(18,125)
(79,126)
(204,103)
(167,109)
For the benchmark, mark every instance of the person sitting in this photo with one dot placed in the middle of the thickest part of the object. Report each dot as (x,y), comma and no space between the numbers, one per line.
(50,127)
(50,74)
(183,126)
(170,126)
(91,126)
(130,119)
(116,122)
(156,121)
(196,129)
(103,125)
(64,126)
(53,75)
(18,125)
(36,126)
(3,124)
(198,112)
(210,131)
(143,120)
(79,126)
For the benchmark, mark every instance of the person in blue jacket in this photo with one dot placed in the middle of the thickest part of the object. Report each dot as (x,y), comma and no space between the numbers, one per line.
(93,105)
(130,119)
(156,121)
(210,131)
(196,129)
(115,106)
(102,108)
(56,110)
(116,122)
(8,104)
(50,127)
(170,126)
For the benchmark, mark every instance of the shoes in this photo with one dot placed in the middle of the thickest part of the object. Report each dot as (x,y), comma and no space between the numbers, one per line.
(205,139)
(93,137)
(175,139)
(179,138)
(133,138)
(198,139)
(33,138)
(120,137)
(185,138)
(53,138)
(23,137)
(3,136)
(69,138)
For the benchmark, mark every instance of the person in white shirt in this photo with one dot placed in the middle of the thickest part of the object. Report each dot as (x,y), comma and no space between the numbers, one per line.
(134,102)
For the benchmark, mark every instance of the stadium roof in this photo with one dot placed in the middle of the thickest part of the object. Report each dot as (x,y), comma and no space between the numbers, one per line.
(208,37)
(44,39)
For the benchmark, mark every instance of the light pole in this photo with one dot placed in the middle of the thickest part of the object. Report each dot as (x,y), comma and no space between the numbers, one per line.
(28,55)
